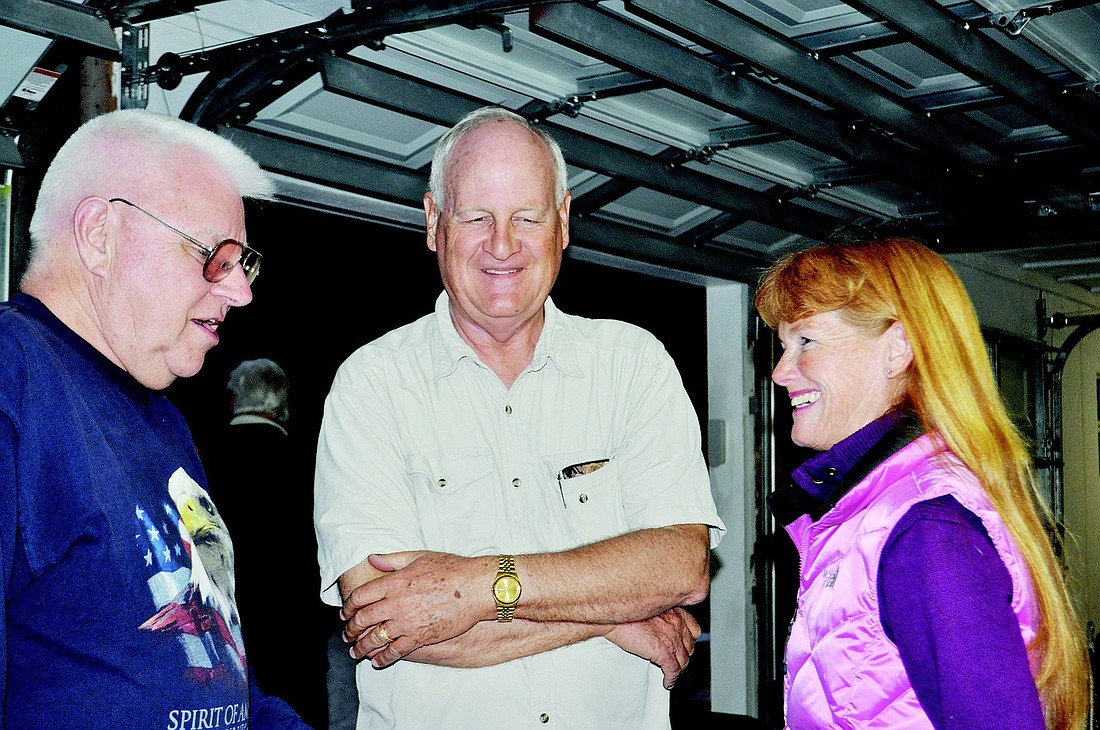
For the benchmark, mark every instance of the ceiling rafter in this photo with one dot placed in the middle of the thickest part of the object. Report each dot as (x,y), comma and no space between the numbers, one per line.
(395,184)
(602,35)
(806,70)
(962,46)
(84,27)
(370,83)
(775,122)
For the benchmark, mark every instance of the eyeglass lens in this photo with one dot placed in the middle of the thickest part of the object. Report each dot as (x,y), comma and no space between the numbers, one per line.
(225,256)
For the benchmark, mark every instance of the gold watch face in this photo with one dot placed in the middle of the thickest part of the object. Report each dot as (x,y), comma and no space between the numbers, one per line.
(506,589)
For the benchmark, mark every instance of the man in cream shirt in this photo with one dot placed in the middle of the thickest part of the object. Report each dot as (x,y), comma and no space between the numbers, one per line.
(511,502)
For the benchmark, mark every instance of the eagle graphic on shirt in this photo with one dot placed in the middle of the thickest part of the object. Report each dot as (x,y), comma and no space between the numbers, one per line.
(189,556)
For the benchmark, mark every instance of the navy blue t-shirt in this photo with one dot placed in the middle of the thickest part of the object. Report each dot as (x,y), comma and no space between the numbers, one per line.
(118,570)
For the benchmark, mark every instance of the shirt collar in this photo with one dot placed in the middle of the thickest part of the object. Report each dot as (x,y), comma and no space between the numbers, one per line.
(248,418)
(126,383)
(556,343)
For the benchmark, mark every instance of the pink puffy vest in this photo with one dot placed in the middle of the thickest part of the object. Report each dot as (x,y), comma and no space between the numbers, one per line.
(841,669)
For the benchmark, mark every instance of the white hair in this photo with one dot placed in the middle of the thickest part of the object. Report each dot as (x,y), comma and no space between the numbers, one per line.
(123,144)
(441,158)
(260,386)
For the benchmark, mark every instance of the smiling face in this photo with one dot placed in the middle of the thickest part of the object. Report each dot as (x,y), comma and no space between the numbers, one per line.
(156,315)
(838,378)
(500,238)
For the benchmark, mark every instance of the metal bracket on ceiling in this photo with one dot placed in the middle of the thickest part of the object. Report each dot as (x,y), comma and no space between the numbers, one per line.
(1040,209)
(571,105)
(704,153)
(1011,24)
(763,74)
(493,22)
(806,192)
(135,66)
(505,34)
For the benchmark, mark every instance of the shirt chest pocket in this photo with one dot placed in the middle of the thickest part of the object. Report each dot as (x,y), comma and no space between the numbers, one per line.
(590,497)
(456,498)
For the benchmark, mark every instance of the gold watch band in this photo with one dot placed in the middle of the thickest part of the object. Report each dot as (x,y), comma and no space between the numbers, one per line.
(506,588)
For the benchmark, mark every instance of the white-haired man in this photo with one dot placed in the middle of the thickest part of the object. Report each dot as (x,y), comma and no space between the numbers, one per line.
(535,479)
(118,589)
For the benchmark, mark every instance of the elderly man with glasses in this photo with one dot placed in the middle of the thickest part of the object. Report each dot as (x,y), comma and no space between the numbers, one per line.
(118,585)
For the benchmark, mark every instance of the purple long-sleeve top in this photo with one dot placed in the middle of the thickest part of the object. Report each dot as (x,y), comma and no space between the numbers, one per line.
(944,593)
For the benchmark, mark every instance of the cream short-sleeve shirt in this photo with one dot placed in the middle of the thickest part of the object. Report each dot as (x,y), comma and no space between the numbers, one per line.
(422,447)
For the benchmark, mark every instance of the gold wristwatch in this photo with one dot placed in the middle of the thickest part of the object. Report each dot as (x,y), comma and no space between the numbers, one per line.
(506,588)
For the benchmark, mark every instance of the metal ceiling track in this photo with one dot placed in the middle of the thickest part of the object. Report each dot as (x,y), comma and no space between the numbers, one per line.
(246,76)
(961,45)
(609,38)
(396,184)
(810,72)
(62,20)
(388,89)
(957,182)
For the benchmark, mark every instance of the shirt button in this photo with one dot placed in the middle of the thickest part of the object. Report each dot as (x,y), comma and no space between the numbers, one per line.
(544,718)
(442,483)
(508,410)
(583,498)
(516,482)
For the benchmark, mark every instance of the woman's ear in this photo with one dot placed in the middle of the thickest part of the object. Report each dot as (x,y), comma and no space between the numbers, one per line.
(899,353)
(90,219)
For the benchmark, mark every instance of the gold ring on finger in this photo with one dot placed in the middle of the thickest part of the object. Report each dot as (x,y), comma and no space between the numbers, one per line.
(383,634)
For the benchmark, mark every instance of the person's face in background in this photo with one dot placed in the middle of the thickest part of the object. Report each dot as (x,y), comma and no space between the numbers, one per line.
(157,314)
(500,236)
(838,378)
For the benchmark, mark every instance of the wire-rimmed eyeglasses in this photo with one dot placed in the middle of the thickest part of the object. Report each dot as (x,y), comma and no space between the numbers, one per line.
(220,259)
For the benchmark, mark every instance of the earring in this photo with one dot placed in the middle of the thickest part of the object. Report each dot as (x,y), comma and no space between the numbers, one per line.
(889,372)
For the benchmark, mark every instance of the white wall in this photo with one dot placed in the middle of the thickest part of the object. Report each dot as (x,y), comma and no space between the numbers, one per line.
(1005,297)
(1082,476)
(733,652)
(1005,300)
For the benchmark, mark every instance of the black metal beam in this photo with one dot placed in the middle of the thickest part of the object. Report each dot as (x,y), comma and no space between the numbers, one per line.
(608,192)
(338,32)
(619,240)
(319,164)
(385,88)
(997,231)
(143,11)
(62,20)
(808,72)
(615,83)
(742,135)
(962,46)
(240,95)
(611,38)
(710,229)
(387,182)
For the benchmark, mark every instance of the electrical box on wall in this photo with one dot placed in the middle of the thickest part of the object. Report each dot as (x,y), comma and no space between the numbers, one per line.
(716,442)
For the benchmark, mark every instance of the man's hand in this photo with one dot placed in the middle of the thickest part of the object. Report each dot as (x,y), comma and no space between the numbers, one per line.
(422,598)
(667,640)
